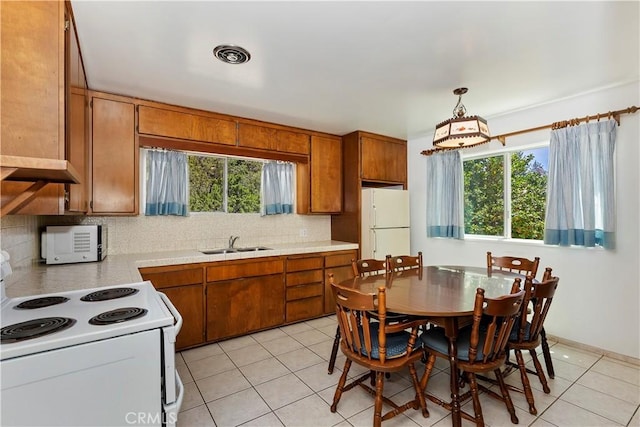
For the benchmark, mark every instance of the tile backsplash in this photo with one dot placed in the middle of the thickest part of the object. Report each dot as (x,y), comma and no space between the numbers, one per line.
(19,236)
(141,234)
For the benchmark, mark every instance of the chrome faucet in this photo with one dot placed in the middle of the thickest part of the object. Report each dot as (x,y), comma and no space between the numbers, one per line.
(232,240)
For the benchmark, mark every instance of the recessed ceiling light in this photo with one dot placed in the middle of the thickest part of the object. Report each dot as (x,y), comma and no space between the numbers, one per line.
(231,54)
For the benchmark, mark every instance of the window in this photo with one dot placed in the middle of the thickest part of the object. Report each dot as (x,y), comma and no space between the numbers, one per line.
(224,184)
(505,194)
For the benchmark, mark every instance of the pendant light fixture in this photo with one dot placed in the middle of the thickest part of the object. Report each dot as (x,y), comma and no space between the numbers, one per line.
(461,131)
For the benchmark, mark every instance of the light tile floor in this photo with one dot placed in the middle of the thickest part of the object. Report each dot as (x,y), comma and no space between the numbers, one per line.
(279,378)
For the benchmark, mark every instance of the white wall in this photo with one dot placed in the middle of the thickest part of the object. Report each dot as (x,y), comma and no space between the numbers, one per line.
(598,298)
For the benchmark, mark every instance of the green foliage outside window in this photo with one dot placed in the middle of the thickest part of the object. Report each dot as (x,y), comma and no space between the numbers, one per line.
(528,197)
(484,196)
(244,186)
(207,184)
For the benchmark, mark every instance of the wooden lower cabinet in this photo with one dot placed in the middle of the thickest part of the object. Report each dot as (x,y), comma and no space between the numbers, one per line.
(338,264)
(189,302)
(183,285)
(304,287)
(225,299)
(239,306)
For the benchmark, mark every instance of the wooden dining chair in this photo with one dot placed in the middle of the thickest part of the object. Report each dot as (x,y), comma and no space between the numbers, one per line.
(527,333)
(481,348)
(363,268)
(525,267)
(517,265)
(404,262)
(377,345)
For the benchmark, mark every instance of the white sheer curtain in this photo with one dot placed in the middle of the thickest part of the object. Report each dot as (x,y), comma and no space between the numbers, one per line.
(445,199)
(167,191)
(580,189)
(276,188)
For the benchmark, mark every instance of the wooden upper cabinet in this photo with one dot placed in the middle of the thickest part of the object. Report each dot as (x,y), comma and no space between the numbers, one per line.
(256,137)
(267,138)
(319,182)
(114,158)
(192,127)
(326,175)
(33,93)
(292,142)
(383,160)
(77,151)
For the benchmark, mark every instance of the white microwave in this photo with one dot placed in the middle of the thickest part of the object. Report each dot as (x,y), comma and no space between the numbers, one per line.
(65,244)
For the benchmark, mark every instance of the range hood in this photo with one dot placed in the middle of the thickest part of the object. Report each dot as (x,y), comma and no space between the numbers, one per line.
(37,170)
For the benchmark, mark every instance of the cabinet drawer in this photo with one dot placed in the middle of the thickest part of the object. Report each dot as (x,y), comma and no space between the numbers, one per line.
(165,279)
(339,259)
(174,124)
(304,309)
(226,271)
(304,277)
(300,264)
(304,291)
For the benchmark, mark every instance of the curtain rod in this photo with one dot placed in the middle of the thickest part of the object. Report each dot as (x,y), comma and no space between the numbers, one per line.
(556,125)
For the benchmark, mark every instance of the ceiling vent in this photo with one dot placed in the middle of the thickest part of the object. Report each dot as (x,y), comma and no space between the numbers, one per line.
(231,54)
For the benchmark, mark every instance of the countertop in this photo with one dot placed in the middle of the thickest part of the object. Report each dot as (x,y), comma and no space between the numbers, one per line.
(123,269)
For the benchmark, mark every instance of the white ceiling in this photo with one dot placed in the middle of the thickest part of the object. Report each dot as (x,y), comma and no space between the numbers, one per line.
(384,67)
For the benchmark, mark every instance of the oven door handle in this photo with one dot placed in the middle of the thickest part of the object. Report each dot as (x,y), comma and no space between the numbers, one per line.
(173,310)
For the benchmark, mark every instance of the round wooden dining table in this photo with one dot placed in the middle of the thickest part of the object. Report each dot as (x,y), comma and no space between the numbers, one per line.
(443,295)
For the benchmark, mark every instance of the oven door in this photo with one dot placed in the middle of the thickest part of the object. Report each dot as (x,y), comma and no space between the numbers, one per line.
(112,382)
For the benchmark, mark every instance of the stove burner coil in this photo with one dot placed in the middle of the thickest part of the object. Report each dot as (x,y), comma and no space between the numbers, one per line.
(108,294)
(118,316)
(34,328)
(40,302)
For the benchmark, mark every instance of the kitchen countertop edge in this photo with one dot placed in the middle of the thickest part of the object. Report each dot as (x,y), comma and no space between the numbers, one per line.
(123,269)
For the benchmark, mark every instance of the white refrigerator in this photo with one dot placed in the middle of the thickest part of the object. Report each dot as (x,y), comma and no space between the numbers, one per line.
(385,223)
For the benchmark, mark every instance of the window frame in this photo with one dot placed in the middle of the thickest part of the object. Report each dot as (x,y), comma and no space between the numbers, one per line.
(504,152)
(143,179)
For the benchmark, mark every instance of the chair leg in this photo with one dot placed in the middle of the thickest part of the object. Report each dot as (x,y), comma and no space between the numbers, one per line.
(525,382)
(547,354)
(477,409)
(422,404)
(377,413)
(431,361)
(539,371)
(506,396)
(340,387)
(334,351)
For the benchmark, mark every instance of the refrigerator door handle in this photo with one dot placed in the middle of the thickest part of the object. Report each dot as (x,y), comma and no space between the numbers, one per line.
(375,243)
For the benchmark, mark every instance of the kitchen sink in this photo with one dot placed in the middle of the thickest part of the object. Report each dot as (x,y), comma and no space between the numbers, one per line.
(252,248)
(233,250)
(219,251)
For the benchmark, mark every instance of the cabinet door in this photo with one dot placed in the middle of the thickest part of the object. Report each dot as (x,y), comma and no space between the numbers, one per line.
(292,142)
(176,124)
(32,107)
(256,136)
(77,153)
(183,285)
(114,158)
(237,307)
(384,161)
(189,302)
(326,175)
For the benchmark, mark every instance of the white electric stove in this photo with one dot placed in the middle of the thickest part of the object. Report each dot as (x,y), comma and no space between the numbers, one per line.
(102,356)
